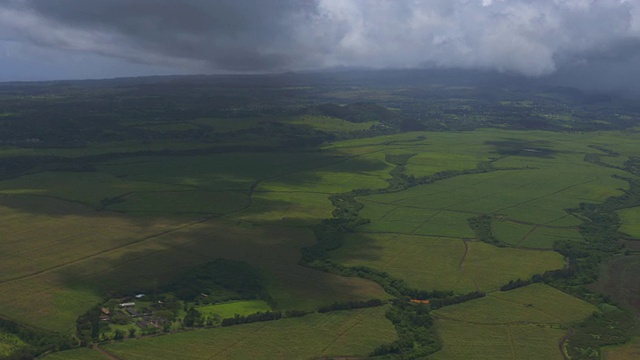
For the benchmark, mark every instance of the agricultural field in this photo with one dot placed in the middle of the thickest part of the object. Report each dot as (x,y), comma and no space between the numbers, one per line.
(628,351)
(533,236)
(618,279)
(276,223)
(525,323)
(468,341)
(533,304)
(344,333)
(630,222)
(434,263)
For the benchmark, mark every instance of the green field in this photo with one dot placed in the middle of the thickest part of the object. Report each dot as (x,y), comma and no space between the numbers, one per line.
(533,304)
(525,323)
(77,354)
(463,341)
(532,236)
(445,263)
(630,221)
(538,197)
(345,333)
(229,310)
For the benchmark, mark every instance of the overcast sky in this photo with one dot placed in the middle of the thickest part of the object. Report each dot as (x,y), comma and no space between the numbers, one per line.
(74,39)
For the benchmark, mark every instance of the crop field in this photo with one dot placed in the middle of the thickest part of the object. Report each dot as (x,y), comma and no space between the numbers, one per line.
(532,304)
(445,263)
(619,279)
(628,351)
(525,323)
(510,342)
(630,221)
(532,236)
(533,196)
(344,333)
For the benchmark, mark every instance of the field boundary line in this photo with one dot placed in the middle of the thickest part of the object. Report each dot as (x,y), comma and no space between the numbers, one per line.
(527,235)
(510,338)
(104,352)
(464,256)
(520,222)
(340,335)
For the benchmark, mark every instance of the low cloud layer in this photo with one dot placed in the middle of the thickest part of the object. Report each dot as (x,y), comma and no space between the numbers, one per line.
(527,37)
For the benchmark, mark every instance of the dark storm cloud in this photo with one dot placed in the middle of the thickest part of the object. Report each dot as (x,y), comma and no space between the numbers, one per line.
(522,36)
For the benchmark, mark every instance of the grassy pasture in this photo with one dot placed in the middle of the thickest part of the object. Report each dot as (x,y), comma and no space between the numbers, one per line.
(345,333)
(630,221)
(491,342)
(229,310)
(533,304)
(444,263)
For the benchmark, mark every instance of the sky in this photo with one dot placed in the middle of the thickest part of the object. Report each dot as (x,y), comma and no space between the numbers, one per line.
(587,40)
